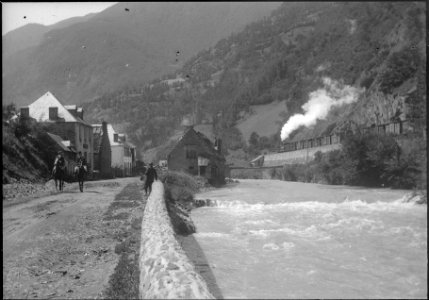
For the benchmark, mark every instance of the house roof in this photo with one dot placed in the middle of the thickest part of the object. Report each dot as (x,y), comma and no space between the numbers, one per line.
(206,144)
(73,106)
(39,109)
(64,145)
(257,158)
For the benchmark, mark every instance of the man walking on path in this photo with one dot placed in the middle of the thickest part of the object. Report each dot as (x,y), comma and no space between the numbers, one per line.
(151,175)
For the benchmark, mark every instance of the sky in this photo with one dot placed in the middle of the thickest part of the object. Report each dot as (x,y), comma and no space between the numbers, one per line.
(17,14)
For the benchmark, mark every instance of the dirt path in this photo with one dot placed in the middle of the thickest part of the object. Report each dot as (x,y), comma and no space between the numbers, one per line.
(63,246)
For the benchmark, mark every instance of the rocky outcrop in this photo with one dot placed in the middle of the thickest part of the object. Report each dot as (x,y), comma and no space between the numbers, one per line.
(180,219)
(165,270)
(416,197)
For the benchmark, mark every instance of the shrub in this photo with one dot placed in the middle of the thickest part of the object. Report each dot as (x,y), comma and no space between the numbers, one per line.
(294,172)
(179,186)
(408,169)
(365,158)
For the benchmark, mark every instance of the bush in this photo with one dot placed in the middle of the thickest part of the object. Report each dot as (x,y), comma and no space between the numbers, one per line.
(408,170)
(294,172)
(365,157)
(179,186)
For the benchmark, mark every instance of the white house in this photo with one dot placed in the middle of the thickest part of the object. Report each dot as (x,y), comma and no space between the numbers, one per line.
(63,121)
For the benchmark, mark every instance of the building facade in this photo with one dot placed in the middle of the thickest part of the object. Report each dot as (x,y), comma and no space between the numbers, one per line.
(122,153)
(63,121)
(102,152)
(195,154)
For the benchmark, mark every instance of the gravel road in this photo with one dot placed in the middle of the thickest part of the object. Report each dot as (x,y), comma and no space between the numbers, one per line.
(63,245)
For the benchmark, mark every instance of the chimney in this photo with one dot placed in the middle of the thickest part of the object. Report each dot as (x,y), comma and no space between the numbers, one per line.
(105,154)
(53,113)
(104,127)
(218,145)
(115,137)
(25,112)
(80,112)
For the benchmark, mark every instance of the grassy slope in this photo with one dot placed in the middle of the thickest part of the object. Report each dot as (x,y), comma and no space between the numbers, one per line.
(23,155)
(265,120)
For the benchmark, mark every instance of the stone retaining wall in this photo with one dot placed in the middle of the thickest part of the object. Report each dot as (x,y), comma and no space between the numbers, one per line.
(165,270)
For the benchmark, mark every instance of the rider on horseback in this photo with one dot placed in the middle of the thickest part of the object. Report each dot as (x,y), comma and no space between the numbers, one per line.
(81,162)
(59,162)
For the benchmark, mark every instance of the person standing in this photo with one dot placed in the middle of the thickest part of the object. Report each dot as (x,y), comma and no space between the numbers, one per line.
(151,176)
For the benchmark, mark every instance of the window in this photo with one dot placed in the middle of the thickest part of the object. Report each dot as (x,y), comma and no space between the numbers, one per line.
(203,170)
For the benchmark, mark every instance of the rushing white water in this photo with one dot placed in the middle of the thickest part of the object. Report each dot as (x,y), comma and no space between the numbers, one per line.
(274,239)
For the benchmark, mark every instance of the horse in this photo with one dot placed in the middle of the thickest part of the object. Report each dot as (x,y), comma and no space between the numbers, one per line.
(80,172)
(58,174)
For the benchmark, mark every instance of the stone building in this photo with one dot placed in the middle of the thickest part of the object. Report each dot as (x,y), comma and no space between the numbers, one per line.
(195,154)
(65,121)
(123,153)
(102,151)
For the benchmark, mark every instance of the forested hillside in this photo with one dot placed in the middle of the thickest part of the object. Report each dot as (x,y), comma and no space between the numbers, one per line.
(377,46)
(125,45)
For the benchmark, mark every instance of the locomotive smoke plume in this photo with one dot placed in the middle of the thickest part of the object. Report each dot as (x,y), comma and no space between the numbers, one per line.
(319,105)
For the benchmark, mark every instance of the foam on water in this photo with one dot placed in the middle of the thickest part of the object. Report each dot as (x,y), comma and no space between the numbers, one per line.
(241,206)
(316,249)
(212,235)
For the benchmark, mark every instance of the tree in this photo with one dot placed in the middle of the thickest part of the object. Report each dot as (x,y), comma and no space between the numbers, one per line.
(254,140)
(8,111)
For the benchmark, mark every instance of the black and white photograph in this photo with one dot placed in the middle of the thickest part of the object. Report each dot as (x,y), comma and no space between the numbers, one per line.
(214,150)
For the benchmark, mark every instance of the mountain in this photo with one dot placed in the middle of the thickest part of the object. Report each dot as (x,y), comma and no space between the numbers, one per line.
(124,45)
(278,62)
(31,35)
(22,38)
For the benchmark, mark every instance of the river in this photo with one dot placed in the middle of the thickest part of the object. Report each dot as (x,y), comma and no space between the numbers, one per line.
(277,239)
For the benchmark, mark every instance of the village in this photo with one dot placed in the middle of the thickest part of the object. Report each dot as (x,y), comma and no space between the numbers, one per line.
(225,150)
(108,153)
